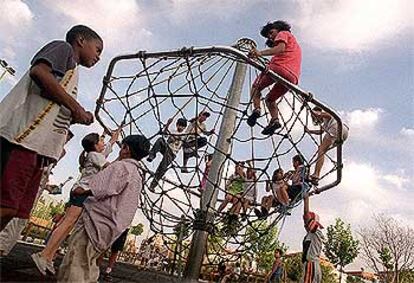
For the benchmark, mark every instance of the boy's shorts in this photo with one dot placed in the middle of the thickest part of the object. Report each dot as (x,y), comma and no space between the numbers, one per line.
(278,90)
(294,191)
(77,200)
(119,243)
(20,177)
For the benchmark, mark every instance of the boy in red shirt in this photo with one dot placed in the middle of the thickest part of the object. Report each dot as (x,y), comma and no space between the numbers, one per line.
(286,62)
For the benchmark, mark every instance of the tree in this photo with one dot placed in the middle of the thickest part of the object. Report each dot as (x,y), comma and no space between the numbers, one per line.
(388,248)
(328,274)
(354,279)
(294,267)
(262,240)
(340,248)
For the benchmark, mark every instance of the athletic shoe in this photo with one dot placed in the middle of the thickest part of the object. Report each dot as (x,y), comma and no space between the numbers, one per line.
(251,121)
(51,268)
(40,262)
(271,128)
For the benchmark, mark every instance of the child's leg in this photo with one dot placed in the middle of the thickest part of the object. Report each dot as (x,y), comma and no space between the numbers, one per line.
(167,159)
(61,232)
(237,204)
(227,199)
(159,146)
(327,141)
(261,82)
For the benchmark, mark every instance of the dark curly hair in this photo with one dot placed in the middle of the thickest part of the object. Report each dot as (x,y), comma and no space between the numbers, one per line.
(279,25)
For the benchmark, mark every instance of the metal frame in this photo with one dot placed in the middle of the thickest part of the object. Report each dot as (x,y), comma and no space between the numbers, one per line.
(185,52)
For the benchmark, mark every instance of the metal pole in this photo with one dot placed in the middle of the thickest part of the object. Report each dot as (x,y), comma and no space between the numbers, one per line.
(209,197)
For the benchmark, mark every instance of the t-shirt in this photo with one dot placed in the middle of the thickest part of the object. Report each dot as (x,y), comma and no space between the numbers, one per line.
(194,129)
(116,191)
(291,58)
(312,246)
(235,184)
(298,176)
(94,162)
(32,121)
(175,140)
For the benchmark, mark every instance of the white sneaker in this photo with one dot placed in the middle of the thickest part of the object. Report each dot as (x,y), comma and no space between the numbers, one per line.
(40,262)
(50,267)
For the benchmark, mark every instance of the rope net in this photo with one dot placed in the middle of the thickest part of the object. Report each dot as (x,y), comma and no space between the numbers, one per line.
(144,90)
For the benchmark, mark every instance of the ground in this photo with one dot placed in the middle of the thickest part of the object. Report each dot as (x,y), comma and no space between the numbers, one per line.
(18,267)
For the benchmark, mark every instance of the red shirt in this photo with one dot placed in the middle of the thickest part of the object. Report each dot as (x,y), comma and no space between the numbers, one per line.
(291,58)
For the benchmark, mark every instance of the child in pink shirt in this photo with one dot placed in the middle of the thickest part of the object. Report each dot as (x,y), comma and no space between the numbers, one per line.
(286,62)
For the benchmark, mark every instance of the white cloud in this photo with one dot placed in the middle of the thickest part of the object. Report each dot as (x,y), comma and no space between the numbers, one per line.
(362,119)
(15,21)
(118,22)
(352,25)
(407,132)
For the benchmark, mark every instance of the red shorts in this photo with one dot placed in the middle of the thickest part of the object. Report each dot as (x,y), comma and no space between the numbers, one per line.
(20,178)
(264,80)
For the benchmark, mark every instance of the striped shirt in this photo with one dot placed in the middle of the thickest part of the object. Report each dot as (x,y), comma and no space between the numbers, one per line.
(111,209)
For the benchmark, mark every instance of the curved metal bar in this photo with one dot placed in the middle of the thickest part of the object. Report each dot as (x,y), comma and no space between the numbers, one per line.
(194,51)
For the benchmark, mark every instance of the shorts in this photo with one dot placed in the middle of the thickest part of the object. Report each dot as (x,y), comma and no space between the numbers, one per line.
(20,177)
(119,243)
(294,191)
(77,200)
(190,148)
(278,89)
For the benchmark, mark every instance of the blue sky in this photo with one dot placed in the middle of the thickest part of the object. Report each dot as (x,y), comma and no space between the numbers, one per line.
(357,58)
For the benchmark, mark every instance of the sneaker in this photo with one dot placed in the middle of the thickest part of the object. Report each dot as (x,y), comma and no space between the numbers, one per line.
(50,267)
(40,262)
(265,212)
(150,158)
(251,121)
(271,128)
(258,213)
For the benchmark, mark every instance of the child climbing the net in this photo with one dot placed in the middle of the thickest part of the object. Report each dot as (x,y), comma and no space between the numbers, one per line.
(286,62)
(92,160)
(208,162)
(168,145)
(330,127)
(194,141)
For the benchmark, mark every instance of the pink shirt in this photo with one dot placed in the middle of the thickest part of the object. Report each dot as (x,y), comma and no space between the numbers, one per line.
(111,209)
(291,58)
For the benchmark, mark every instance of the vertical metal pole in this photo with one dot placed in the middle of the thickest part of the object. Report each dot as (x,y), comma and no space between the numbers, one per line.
(209,197)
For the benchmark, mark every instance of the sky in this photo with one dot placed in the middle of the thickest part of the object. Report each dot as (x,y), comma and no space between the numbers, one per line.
(357,58)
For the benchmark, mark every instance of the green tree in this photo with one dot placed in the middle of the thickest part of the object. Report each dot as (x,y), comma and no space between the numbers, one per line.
(328,274)
(262,240)
(294,267)
(340,248)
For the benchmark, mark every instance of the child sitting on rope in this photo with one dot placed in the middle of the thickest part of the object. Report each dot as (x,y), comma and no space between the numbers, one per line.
(250,190)
(284,194)
(114,195)
(330,127)
(168,148)
(286,62)
(234,188)
(194,141)
(92,160)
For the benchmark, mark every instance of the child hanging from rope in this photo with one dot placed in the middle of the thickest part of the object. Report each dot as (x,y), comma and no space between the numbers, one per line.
(286,62)
(194,141)
(208,162)
(312,245)
(114,195)
(35,117)
(91,160)
(330,127)
(168,148)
